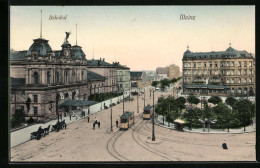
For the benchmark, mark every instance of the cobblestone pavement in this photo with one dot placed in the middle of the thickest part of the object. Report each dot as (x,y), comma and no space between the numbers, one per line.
(80,142)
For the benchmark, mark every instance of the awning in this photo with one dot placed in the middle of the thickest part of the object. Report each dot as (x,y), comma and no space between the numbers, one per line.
(77,103)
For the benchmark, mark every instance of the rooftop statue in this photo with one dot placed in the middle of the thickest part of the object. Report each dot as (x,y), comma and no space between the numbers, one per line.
(67,36)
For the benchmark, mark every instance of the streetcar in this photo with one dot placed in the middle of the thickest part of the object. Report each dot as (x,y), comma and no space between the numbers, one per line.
(148,112)
(126,120)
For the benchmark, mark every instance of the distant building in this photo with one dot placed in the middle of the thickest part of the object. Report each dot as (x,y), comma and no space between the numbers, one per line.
(123,78)
(171,71)
(138,79)
(229,72)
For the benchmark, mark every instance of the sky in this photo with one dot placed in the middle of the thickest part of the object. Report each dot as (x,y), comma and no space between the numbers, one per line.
(140,37)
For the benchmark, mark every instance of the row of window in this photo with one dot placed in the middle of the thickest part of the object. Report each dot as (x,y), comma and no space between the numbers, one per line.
(228,80)
(216,64)
(216,72)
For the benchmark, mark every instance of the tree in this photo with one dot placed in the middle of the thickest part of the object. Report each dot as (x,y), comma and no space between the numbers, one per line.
(207,115)
(28,103)
(155,83)
(180,102)
(215,100)
(193,100)
(192,115)
(165,82)
(222,113)
(230,101)
(244,109)
(17,118)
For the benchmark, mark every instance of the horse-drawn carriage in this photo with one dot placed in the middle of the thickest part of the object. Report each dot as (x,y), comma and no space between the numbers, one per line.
(59,125)
(41,132)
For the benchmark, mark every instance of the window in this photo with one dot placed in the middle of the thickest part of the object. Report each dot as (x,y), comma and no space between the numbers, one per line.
(22,108)
(232,90)
(245,72)
(210,72)
(250,64)
(205,72)
(232,80)
(227,81)
(57,77)
(194,65)
(35,110)
(239,64)
(194,72)
(227,64)
(216,64)
(121,85)
(210,64)
(216,72)
(250,80)
(239,81)
(48,77)
(228,72)
(245,64)
(199,64)
(221,64)
(239,90)
(199,72)
(35,98)
(223,72)
(82,75)
(35,77)
(205,64)
(232,72)
(250,72)
(189,72)
(239,72)
(244,80)
(232,64)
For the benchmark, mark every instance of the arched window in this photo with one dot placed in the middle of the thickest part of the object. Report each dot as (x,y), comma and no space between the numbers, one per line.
(245,90)
(35,77)
(48,77)
(239,90)
(66,76)
(73,76)
(82,75)
(57,77)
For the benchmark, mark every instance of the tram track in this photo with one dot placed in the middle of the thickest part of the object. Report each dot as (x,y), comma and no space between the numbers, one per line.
(112,149)
(138,140)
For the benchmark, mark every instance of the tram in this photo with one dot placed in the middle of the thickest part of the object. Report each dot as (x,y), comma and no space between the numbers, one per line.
(148,112)
(126,120)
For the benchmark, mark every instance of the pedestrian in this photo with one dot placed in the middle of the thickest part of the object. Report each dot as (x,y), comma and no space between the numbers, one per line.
(116,123)
(95,120)
(224,145)
(99,124)
(70,117)
(94,125)
(65,125)
(76,117)
(88,119)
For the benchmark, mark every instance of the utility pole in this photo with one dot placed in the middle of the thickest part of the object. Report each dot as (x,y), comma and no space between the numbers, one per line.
(137,102)
(144,97)
(123,103)
(153,137)
(111,115)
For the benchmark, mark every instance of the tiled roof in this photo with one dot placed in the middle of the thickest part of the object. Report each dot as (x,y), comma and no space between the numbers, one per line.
(41,46)
(94,76)
(229,53)
(101,62)
(77,52)
(18,56)
(118,65)
(17,82)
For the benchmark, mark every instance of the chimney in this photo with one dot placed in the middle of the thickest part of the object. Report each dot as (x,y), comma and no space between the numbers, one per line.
(103,59)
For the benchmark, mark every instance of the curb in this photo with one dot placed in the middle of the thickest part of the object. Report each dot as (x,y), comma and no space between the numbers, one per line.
(205,131)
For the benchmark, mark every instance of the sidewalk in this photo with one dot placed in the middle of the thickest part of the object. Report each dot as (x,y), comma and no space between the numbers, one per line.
(211,131)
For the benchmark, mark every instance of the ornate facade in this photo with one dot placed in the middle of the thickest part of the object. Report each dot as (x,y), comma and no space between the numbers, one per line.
(229,72)
(42,78)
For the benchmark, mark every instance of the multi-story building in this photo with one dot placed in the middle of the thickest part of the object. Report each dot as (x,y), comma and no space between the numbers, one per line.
(171,71)
(138,79)
(107,70)
(123,78)
(229,72)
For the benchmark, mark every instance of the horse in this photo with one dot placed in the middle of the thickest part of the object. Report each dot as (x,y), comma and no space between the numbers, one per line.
(98,123)
(46,130)
(40,132)
(94,123)
(34,134)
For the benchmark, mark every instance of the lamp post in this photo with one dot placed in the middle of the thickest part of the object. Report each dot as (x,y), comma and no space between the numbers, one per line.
(123,103)
(144,97)
(137,102)
(111,115)
(153,137)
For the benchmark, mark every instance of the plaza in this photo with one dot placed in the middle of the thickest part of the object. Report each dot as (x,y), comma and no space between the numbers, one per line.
(80,142)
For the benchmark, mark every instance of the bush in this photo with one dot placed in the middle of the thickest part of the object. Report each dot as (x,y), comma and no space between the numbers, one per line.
(18,118)
(30,121)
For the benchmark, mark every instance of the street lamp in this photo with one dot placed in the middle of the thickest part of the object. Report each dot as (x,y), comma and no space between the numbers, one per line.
(153,137)
(123,103)
(144,97)
(137,102)
(111,115)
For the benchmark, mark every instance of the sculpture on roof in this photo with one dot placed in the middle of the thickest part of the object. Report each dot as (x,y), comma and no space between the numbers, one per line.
(67,36)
